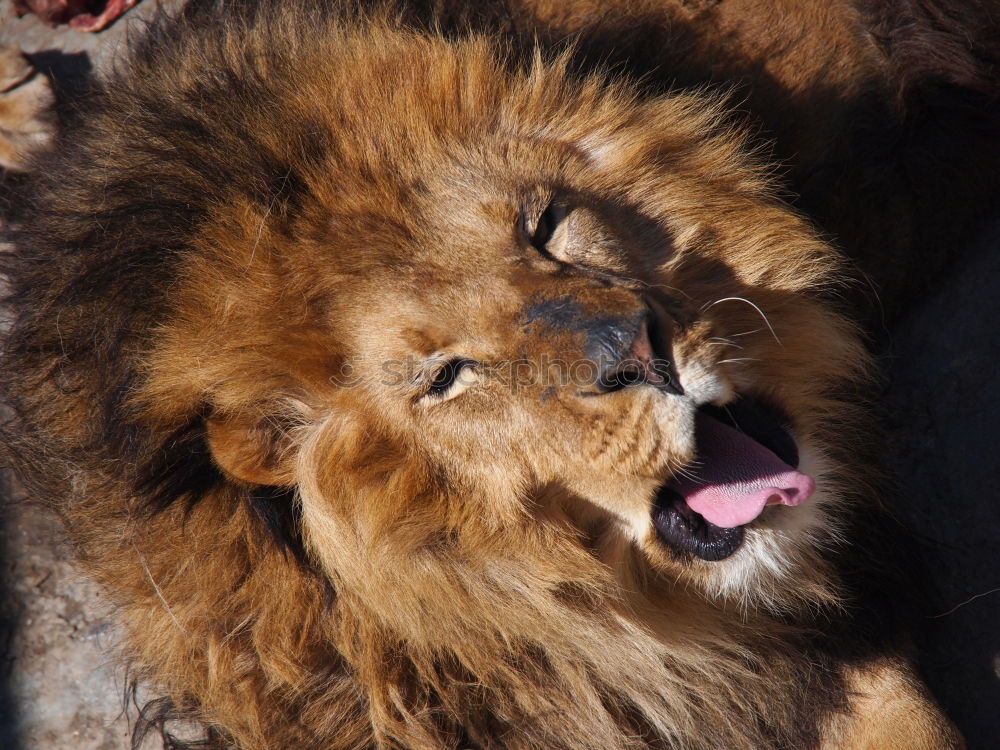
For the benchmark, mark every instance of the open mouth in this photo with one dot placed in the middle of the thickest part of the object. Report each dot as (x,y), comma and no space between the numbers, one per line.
(746,461)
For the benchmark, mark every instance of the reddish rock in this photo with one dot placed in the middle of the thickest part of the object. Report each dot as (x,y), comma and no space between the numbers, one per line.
(82,15)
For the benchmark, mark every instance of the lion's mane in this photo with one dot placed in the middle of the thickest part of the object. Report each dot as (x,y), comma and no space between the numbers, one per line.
(520,638)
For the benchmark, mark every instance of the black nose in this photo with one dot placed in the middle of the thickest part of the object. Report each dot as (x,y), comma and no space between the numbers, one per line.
(633,352)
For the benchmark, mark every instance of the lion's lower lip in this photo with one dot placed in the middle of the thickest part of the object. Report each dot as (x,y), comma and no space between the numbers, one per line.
(685,531)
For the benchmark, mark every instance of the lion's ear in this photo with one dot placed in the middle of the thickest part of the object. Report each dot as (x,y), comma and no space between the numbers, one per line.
(250,450)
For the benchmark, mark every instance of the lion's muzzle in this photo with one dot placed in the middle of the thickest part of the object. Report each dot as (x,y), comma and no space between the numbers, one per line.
(625,349)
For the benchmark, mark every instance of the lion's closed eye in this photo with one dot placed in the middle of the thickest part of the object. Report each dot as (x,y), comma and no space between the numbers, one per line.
(451,378)
(562,229)
(547,231)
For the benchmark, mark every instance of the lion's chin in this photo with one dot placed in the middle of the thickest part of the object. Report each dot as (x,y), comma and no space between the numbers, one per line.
(747,460)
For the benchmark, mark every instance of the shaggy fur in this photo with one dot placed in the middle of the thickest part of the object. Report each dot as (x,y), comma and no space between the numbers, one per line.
(272,199)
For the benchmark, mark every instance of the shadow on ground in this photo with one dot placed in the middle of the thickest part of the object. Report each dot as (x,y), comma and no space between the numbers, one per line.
(942,410)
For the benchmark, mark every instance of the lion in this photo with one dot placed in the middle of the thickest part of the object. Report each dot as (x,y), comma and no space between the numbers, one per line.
(407,382)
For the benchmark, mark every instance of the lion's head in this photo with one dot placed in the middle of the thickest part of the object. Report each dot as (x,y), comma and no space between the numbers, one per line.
(525,358)
(518,301)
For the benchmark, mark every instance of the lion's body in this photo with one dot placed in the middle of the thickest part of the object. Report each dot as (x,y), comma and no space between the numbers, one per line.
(259,200)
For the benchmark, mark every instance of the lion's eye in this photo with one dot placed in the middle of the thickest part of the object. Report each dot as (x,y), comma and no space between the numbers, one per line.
(543,231)
(452,377)
(544,228)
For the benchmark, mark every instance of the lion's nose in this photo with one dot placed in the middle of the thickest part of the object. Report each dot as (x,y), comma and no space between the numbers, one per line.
(633,352)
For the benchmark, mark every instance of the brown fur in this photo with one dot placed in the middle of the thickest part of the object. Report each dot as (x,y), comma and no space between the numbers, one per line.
(266,202)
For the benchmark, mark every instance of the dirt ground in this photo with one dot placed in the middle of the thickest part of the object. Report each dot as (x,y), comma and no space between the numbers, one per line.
(65,690)
(62,689)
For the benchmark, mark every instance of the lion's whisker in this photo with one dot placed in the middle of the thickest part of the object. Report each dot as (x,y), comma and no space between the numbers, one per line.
(159,593)
(649,285)
(717,341)
(754,306)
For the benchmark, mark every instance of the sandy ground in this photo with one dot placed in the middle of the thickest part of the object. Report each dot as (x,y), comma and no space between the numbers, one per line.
(61,689)
(64,687)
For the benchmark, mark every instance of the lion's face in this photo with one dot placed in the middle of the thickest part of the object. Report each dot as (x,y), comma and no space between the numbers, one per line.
(598,322)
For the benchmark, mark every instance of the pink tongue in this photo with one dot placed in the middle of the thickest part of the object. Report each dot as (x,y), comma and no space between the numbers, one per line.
(736,476)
